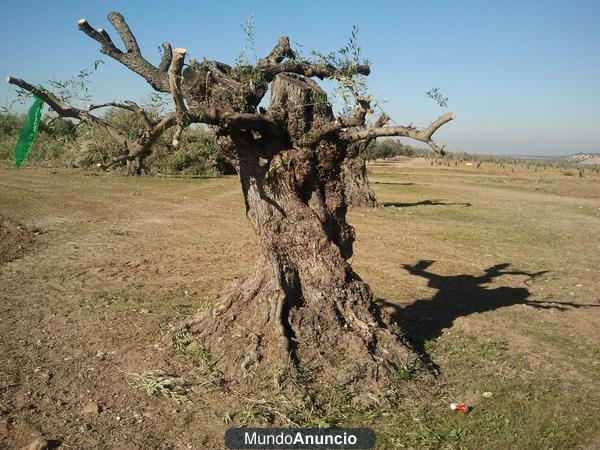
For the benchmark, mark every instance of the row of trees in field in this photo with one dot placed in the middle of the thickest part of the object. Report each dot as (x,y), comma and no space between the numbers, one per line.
(390,148)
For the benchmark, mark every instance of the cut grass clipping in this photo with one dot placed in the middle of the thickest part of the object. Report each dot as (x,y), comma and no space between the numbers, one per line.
(182,339)
(206,366)
(158,383)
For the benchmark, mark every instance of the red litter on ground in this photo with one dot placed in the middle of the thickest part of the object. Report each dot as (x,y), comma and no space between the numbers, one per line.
(460,407)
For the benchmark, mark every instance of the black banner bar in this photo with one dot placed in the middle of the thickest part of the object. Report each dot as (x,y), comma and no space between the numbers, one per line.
(299,438)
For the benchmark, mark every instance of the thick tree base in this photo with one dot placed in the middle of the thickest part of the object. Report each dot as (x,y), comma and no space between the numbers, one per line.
(304,311)
(256,331)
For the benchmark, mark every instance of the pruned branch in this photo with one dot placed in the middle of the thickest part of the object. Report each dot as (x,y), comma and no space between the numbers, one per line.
(131,59)
(118,21)
(401,131)
(165,62)
(281,51)
(382,120)
(175,80)
(99,35)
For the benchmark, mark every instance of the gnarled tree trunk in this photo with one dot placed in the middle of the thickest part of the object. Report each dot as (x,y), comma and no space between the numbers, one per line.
(304,305)
(357,188)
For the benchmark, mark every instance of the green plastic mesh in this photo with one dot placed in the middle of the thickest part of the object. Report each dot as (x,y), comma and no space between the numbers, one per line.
(29,132)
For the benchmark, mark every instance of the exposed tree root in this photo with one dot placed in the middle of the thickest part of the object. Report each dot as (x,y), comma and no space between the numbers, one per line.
(262,330)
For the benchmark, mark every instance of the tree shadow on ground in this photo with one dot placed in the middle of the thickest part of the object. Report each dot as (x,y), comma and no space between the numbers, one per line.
(423,203)
(458,296)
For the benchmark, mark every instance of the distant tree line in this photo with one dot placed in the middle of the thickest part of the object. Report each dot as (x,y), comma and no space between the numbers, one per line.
(389,148)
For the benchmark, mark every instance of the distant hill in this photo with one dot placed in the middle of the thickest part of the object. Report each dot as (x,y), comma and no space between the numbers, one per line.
(588,159)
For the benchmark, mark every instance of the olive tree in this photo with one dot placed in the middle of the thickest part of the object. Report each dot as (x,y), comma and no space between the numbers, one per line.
(304,305)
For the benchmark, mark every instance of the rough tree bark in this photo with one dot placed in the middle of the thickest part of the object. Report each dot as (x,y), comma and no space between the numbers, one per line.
(304,305)
(304,302)
(358,190)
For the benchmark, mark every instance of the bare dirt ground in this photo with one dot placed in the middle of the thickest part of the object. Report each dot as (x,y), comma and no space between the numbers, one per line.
(494,274)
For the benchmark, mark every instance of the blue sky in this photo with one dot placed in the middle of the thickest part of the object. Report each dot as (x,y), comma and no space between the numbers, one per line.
(523,77)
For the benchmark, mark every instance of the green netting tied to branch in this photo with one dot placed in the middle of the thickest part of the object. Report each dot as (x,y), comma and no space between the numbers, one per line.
(29,132)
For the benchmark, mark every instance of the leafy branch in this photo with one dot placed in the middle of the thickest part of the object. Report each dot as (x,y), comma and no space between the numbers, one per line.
(437,97)
(351,83)
(248,55)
